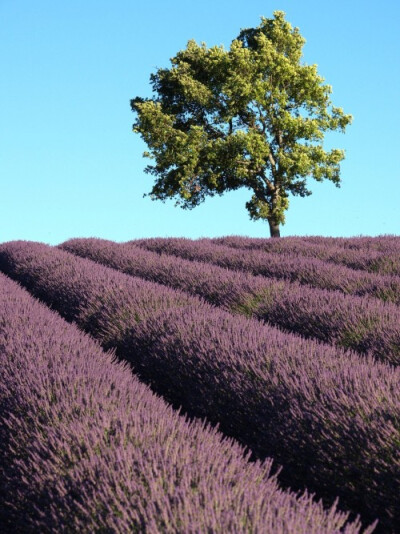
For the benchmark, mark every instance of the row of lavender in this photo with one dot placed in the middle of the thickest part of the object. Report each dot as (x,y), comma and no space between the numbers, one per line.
(365,325)
(329,416)
(383,243)
(309,271)
(87,448)
(384,259)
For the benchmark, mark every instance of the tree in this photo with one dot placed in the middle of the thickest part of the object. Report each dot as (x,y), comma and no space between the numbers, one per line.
(252,116)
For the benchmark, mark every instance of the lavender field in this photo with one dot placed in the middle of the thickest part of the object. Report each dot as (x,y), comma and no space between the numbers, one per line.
(218,385)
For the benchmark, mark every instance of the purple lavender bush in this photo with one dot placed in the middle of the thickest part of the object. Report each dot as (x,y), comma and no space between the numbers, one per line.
(329,416)
(87,448)
(382,243)
(310,271)
(364,325)
(85,292)
(375,260)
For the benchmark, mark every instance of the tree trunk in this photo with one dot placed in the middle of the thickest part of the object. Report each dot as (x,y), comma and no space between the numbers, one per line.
(274,228)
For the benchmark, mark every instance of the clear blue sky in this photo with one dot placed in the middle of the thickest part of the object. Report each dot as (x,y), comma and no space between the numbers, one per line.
(70,165)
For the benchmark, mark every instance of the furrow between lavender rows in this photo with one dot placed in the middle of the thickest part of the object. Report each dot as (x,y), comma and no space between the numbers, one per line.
(309,271)
(364,325)
(85,444)
(372,260)
(328,416)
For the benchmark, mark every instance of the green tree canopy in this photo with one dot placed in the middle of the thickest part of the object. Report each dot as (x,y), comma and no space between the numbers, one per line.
(252,116)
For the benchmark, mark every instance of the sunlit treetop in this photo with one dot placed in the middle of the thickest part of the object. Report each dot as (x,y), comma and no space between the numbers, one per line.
(253,116)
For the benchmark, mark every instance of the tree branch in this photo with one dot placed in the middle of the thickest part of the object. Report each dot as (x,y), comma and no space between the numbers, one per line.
(272,161)
(261,118)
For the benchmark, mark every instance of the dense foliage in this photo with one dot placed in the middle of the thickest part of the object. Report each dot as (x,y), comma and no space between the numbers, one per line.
(253,116)
(330,417)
